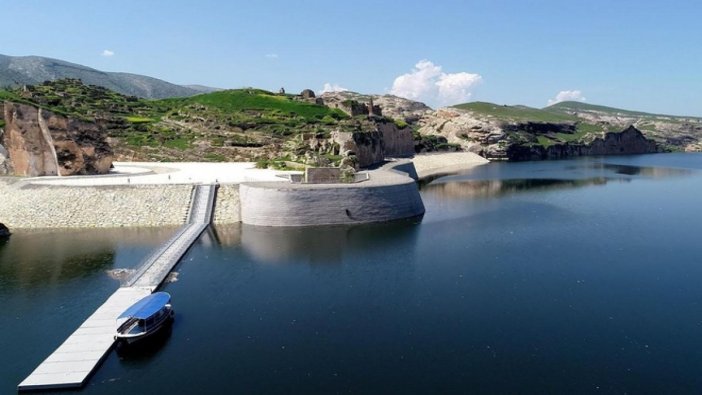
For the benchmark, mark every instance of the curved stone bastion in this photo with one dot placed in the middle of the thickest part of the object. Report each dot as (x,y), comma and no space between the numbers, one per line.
(387,195)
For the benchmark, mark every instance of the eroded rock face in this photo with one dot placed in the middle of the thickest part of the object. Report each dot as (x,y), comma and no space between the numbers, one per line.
(492,138)
(40,143)
(398,142)
(368,147)
(4,159)
(627,142)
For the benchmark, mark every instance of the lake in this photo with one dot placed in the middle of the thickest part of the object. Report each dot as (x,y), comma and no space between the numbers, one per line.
(570,276)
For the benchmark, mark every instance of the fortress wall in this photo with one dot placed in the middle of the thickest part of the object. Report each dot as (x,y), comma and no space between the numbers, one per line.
(295,205)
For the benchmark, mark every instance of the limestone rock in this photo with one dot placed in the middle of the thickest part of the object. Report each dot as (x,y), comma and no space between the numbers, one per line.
(368,147)
(518,140)
(392,106)
(398,142)
(4,160)
(39,142)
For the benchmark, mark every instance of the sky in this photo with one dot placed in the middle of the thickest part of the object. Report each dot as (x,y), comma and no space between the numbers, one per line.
(638,55)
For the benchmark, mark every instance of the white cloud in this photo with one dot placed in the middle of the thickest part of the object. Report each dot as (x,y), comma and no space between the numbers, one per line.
(333,88)
(428,83)
(574,95)
(107,53)
(272,55)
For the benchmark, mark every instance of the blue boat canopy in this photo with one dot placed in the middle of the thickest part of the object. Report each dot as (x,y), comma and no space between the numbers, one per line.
(147,306)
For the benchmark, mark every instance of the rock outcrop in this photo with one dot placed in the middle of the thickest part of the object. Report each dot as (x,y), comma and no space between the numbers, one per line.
(392,106)
(398,141)
(367,147)
(4,232)
(521,140)
(627,142)
(4,159)
(38,142)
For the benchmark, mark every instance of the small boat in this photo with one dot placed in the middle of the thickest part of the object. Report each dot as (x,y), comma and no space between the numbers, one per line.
(145,317)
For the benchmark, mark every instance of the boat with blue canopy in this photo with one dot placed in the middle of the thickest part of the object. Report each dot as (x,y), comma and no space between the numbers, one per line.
(145,317)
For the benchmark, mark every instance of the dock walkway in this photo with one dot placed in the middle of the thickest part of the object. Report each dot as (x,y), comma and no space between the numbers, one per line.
(70,365)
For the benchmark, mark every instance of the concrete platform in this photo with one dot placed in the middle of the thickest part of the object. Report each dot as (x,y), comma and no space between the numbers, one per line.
(73,362)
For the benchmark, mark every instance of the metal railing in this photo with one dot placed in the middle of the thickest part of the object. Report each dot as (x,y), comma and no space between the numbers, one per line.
(198,218)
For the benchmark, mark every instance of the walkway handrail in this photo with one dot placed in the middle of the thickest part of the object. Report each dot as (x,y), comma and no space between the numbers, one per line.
(198,217)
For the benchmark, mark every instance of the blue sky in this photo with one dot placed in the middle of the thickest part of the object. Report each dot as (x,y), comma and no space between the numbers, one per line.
(639,55)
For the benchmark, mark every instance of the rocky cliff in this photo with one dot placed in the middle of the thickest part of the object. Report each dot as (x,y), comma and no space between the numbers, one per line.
(627,142)
(679,133)
(37,142)
(519,133)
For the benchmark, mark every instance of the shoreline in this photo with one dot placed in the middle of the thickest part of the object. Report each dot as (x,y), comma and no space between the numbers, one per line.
(158,194)
(439,164)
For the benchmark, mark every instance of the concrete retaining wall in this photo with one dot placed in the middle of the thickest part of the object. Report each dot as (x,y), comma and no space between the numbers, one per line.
(290,205)
(388,195)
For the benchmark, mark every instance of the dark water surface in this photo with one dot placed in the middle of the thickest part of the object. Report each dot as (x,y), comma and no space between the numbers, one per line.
(580,276)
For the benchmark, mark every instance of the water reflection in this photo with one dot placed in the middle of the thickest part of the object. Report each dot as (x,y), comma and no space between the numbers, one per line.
(496,188)
(319,245)
(500,179)
(35,258)
(145,350)
(652,172)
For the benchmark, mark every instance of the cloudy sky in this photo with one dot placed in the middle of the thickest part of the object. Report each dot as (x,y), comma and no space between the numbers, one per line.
(641,55)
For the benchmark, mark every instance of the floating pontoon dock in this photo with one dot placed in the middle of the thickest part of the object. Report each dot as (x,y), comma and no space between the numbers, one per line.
(70,365)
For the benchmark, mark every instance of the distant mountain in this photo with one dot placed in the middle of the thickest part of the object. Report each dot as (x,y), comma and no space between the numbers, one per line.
(31,70)
(580,108)
(203,88)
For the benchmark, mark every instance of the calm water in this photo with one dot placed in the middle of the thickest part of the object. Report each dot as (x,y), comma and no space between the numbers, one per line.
(579,276)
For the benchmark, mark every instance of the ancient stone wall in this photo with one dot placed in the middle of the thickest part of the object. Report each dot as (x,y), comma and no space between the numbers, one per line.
(397,142)
(322,175)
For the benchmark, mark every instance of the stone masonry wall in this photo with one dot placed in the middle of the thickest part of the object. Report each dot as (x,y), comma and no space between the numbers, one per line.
(23,206)
(227,207)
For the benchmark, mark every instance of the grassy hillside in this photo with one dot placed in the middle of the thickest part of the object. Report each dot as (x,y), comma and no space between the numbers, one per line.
(515,113)
(243,124)
(254,109)
(575,107)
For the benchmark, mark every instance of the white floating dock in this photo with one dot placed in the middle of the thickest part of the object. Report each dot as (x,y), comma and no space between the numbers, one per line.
(70,365)
(75,359)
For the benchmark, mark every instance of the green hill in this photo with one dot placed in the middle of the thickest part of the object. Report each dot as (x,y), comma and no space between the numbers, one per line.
(236,125)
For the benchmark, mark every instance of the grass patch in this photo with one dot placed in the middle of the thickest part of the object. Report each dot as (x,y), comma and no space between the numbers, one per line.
(137,119)
(545,141)
(180,143)
(401,124)
(256,100)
